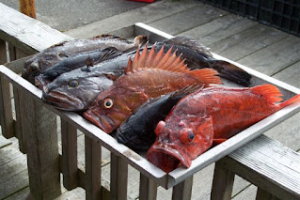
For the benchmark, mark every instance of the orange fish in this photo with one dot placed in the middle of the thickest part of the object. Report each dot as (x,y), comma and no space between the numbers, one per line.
(149,75)
(210,115)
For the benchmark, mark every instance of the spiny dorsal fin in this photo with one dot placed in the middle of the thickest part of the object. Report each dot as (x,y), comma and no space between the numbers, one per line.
(151,59)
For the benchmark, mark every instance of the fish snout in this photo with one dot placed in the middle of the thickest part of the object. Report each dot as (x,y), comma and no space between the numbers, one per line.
(102,121)
(167,157)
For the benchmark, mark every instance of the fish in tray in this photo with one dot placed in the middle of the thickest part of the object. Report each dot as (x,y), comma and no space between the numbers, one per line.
(137,132)
(149,75)
(77,89)
(54,54)
(210,115)
(197,56)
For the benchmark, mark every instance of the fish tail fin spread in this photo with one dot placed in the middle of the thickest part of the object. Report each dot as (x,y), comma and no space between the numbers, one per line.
(207,76)
(231,72)
(150,59)
(294,99)
(268,91)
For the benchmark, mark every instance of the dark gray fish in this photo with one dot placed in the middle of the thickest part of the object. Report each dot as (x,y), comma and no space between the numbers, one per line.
(90,58)
(77,89)
(54,54)
(137,132)
(197,56)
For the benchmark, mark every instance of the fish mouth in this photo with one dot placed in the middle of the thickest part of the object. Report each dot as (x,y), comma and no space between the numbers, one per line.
(103,122)
(167,157)
(62,101)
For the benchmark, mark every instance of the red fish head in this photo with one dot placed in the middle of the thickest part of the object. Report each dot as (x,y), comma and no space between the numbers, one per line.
(113,106)
(178,144)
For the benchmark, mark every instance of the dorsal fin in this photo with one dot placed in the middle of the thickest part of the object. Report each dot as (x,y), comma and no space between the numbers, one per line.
(151,59)
(268,91)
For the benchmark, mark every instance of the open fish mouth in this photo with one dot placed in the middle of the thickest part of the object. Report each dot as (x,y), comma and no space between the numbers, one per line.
(62,101)
(103,122)
(167,157)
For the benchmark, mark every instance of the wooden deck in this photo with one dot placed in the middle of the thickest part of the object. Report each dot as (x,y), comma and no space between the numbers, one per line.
(250,43)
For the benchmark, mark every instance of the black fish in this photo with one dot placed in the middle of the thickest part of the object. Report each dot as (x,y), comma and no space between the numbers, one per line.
(197,56)
(137,132)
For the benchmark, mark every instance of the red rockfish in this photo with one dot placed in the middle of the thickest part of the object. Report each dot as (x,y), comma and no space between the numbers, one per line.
(210,115)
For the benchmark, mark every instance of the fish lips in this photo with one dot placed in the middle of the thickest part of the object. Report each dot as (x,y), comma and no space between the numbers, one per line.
(103,122)
(62,101)
(167,157)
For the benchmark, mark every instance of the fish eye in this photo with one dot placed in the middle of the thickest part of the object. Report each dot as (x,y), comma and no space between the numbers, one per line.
(73,83)
(186,136)
(108,103)
(191,136)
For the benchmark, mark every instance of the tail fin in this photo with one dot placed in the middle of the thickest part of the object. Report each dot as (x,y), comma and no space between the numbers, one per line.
(231,72)
(268,91)
(207,76)
(294,99)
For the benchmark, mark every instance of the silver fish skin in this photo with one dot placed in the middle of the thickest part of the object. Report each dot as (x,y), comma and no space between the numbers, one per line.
(77,89)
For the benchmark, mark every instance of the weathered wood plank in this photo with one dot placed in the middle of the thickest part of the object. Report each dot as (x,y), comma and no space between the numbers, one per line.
(247,42)
(27,34)
(42,156)
(3,141)
(183,190)
(188,19)
(219,29)
(13,172)
(148,188)
(118,178)
(6,118)
(222,183)
(267,159)
(248,193)
(92,169)
(69,155)
(146,14)
(275,57)
(290,75)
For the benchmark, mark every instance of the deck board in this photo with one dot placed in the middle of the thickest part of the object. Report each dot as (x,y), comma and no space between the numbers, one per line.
(14,175)
(245,43)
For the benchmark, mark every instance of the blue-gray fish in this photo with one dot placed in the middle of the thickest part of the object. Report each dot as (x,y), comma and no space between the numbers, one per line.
(77,89)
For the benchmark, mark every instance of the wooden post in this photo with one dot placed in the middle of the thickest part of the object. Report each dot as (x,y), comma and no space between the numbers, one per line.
(118,178)
(18,123)
(69,155)
(148,188)
(183,190)
(27,7)
(42,152)
(222,183)
(6,119)
(263,195)
(92,169)
(3,55)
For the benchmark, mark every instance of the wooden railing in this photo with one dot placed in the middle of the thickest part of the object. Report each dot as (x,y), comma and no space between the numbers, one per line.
(35,125)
